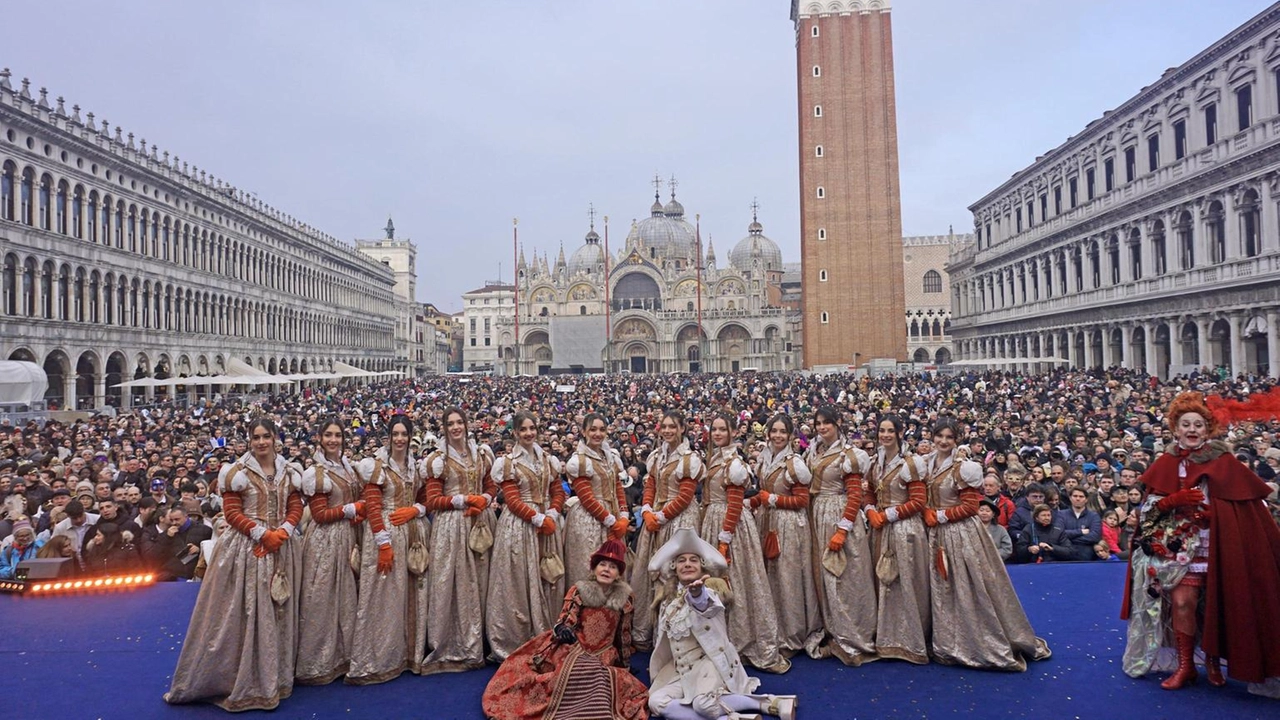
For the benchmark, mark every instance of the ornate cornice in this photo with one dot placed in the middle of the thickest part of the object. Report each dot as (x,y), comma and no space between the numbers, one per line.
(803,9)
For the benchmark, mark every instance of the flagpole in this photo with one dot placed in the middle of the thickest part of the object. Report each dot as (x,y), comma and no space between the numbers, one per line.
(702,351)
(608,343)
(515,283)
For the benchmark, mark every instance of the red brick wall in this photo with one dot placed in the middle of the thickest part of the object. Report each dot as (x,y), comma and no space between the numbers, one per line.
(862,214)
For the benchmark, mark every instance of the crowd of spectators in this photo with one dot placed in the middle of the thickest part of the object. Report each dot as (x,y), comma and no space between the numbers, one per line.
(1063,452)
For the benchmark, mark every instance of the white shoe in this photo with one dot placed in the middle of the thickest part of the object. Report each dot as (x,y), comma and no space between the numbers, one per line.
(784,706)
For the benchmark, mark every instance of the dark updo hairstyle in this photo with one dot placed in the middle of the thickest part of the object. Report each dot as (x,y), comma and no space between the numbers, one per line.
(400,419)
(830,414)
(786,423)
(676,416)
(730,422)
(590,418)
(324,424)
(896,422)
(946,423)
(264,422)
(518,419)
(453,410)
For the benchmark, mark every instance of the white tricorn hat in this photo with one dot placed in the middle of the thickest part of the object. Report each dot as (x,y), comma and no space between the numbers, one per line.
(684,541)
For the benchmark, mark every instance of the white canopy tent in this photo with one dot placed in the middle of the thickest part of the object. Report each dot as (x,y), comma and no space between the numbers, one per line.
(992,362)
(21,382)
(238,373)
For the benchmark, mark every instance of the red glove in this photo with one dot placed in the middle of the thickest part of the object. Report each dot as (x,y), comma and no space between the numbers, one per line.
(360,516)
(836,543)
(273,540)
(762,498)
(1189,496)
(930,517)
(619,529)
(548,527)
(724,550)
(259,551)
(400,516)
(876,519)
(471,511)
(651,523)
(477,501)
(386,558)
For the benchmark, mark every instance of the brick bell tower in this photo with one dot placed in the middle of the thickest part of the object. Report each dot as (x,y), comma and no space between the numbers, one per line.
(850,210)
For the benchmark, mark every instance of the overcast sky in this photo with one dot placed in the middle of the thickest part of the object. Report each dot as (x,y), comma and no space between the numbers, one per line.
(455,117)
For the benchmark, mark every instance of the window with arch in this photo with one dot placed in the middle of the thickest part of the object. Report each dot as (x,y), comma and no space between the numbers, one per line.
(1250,239)
(6,191)
(822,192)
(813,31)
(582,309)
(933,282)
(1217,227)
(822,233)
(824,318)
(817,151)
(822,276)
(817,71)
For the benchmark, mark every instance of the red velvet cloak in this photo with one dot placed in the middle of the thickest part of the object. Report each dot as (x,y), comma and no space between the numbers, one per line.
(1242,588)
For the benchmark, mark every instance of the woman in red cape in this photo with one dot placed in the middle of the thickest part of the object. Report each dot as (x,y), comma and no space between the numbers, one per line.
(579,668)
(1205,562)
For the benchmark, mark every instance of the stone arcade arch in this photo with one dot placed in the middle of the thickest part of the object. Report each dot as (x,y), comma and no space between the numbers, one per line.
(58,368)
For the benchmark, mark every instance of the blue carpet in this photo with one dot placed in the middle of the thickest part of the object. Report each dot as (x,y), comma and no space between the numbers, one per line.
(110,656)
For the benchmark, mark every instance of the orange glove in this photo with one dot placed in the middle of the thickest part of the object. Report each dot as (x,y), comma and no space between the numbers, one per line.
(651,523)
(471,511)
(930,517)
(762,498)
(400,516)
(876,519)
(724,550)
(360,516)
(548,527)
(836,543)
(619,529)
(386,558)
(273,540)
(259,551)
(477,501)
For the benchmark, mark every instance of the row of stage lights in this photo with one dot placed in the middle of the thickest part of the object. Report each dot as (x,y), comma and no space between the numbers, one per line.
(56,587)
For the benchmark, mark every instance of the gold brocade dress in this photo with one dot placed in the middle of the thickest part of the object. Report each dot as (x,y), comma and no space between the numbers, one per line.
(525,592)
(239,650)
(327,616)
(752,618)
(391,617)
(848,601)
(901,550)
(977,618)
(459,581)
(667,468)
(791,575)
(583,533)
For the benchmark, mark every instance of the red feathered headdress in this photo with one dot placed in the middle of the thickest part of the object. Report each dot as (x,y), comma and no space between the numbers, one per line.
(1259,407)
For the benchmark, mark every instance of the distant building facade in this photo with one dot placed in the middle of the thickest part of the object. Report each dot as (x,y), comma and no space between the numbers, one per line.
(650,320)
(850,206)
(1150,239)
(928,294)
(482,309)
(122,262)
(401,255)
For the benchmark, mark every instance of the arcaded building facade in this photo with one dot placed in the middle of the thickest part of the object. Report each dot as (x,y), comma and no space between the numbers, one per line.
(637,309)
(1150,239)
(850,207)
(122,262)
(927,284)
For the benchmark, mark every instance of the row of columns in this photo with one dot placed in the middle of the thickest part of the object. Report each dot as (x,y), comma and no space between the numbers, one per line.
(1011,347)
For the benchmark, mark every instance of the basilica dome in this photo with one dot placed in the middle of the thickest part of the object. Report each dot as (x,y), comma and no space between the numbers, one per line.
(665,231)
(589,257)
(756,247)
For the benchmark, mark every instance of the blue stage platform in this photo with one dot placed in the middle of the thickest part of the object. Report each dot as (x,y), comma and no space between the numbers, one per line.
(111,656)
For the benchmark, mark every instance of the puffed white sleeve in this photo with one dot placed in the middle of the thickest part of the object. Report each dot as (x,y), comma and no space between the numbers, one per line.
(861,459)
(294,476)
(971,474)
(573,467)
(922,471)
(557,467)
(364,470)
(695,466)
(800,471)
(738,473)
(313,485)
(226,481)
(499,472)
